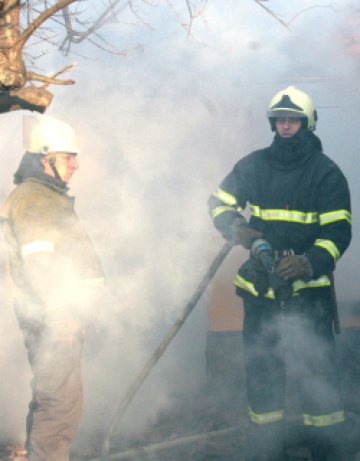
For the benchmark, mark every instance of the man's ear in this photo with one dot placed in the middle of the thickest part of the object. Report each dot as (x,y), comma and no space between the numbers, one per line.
(45,163)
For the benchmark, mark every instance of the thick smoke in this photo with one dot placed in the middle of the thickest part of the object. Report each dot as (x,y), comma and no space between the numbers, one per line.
(159,129)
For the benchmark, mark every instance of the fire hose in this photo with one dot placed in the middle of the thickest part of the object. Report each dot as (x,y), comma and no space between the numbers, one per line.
(214,266)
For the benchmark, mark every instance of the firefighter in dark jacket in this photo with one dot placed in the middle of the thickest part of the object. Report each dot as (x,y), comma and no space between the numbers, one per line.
(56,273)
(299,206)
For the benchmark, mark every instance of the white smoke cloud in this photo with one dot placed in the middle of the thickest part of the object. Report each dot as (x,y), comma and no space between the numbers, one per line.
(159,130)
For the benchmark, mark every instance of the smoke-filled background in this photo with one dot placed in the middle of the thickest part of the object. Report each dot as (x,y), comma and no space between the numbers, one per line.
(159,129)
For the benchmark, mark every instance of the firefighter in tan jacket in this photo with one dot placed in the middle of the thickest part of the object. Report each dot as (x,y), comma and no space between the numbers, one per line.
(55,271)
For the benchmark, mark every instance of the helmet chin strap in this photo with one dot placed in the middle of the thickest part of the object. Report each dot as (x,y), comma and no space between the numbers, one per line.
(54,169)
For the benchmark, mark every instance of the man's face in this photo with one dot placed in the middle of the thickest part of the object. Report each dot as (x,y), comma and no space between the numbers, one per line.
(287,126)
(65,164)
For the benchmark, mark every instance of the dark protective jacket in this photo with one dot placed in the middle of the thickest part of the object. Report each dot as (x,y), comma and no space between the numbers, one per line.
(297,197)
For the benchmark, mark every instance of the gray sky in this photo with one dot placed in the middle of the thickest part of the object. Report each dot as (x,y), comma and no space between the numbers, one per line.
(159,129)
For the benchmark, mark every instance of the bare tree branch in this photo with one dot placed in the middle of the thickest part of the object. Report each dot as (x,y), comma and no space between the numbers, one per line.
(40,19)
(307,9)
(272,14)
(97,24)
(287,23)
(23,23)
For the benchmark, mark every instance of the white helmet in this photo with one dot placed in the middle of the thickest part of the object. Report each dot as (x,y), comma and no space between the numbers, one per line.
(292,102)
(45,134)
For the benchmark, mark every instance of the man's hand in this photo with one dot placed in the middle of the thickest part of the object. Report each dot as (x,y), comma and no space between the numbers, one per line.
(242,234)
(294,267)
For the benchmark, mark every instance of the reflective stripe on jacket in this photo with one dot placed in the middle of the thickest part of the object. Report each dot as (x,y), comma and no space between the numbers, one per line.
(305,208)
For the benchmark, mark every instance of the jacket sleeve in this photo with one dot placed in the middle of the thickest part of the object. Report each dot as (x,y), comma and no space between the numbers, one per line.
(334,215)
(229,200)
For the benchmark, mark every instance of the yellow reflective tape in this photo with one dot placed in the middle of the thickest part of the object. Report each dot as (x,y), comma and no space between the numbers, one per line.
(225,197)
(284,215)
(266,418)
(322,281)
(270,294)
(333,216)
(248,286)
(324,420)
(297,286)
(220,210)
(38,246)
(329,246)
(245,285)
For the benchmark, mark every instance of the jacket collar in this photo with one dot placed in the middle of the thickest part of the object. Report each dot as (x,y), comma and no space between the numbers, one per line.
(31,168)
(294,152)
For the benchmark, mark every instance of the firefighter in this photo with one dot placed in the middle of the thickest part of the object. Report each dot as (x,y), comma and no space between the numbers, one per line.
(56,273)
(299,203)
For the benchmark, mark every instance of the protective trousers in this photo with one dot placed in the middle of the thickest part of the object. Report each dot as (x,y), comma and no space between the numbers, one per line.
(299,338)
(56,407)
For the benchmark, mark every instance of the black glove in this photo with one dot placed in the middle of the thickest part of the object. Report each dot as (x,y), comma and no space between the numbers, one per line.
(254,272)
(261,279)
(294,267)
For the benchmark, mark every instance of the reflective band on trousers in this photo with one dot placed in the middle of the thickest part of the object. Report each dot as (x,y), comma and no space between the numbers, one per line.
(37,247)
(333,216)
(329,246)
(266,418)
(324,420)
(298,285)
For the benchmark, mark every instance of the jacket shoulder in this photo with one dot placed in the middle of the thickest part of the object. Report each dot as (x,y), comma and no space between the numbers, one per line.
(328,165)
(27,195)
(249,160)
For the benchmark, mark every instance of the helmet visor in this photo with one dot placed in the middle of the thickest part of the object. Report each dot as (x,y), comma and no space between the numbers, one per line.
(280,113)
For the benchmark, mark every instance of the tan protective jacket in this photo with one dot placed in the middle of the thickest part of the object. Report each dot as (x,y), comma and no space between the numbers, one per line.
(39,218)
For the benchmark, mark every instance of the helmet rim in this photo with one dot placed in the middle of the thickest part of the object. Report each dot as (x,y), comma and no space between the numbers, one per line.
(290,113)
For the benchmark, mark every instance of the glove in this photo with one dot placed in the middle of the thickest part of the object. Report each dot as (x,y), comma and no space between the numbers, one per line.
(294,267)
(242,234)
(253,271)
(261,279)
